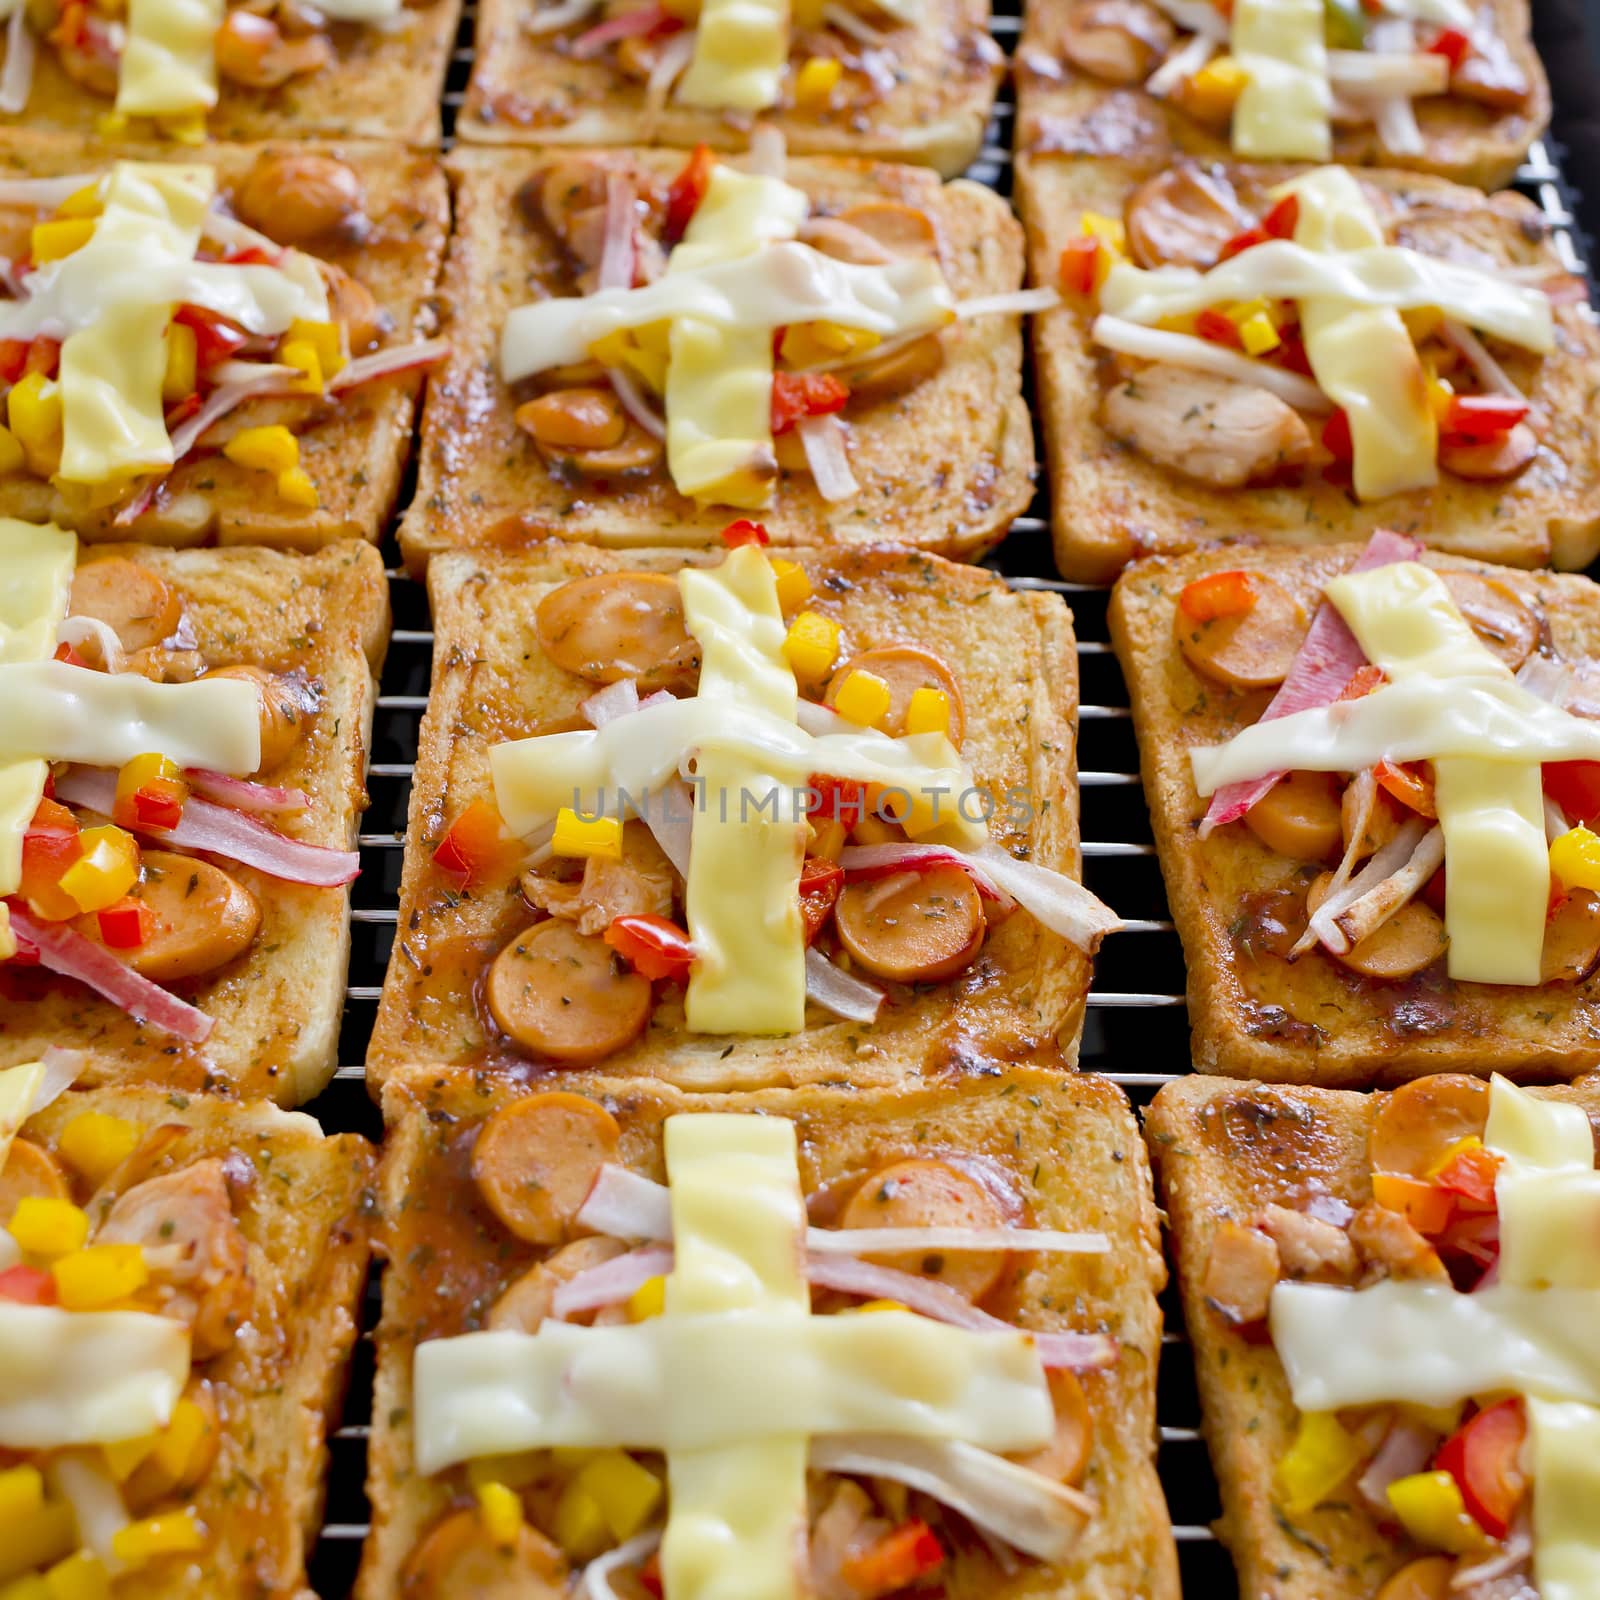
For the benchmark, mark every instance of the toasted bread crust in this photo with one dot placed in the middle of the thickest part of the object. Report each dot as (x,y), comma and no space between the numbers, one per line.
(277,1008)
(355,448)
(529,88)
(944,467)
(1064,110)
(1224,1150)
(1069,1144)
(1026,990)
(305,1215)
(1111,504)
(1313,1021)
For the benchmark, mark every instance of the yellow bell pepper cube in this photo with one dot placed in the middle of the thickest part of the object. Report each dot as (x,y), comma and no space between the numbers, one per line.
(815,82)
(1112,232)
(82,1576)
(1440,396)
(794,587)
(30,1586)
(1430,1508)
(928,711)
(99,1275)
(107,869)
(323,337)
(620,349)
(864,699)
(626,1492)
(587,836)
(179,1444)
(173,1533)
(1323,1455)
(182,373)
(33,410)
(124,1458)
(295,486)
(808,344)
(881,1305)
(46,1536)
(580,1524)
(141,772)
(46,1227)
(1241,311)
(1422,322)
(269,449)
(12,456)
(51,241)
(84,202)
(1258,335)
(1575,859)
(302,354)
(184,127)
(1212,91)
(500,1509)
(1455,1148)
(1443,1420)
(112,125)
(811,646)
(648,1300)
(21,1495)
(514,1471)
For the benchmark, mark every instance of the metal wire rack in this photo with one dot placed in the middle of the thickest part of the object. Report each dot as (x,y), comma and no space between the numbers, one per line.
(1136,1031)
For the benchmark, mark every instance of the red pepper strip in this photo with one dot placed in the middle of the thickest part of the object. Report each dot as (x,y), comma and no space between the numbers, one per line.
(1575,787)
(475,846)
(1291,353)
(1218,329)
(896,1560)
(744,532)
(1336,438)
(65,652)
(686,192)
(28,1286)
(1482,416)
(1218,594)
(1409,784)
(49,847)
(1080,264)
(1241,242)
(1362,682)
(1283,218)
(837,799)
(1470,1175)
(1484,1456)
(156,804)
(654,947)
(821,881)
(128,924)
(215,338)
(1454,45)
(805,394)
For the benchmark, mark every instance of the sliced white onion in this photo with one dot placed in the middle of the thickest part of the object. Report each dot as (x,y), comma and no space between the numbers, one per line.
(671,62)
(1186,350)
(385,363)
(616,249)
(822,231)
(828,457)
(1182,64)
(1572,685)
(1382,864)
(619,699)
(1407,1448)
(1498,1563)
(77,631)
(62,1068)
(1555,821)
(233,234)
(836,991)
(16,81)
(1488,371)
(1052,899)
(611,1282)
(1392,68)
(564,14)
(769,151)
(1037,1515)
(595,1580)
(96,1503)
(669,815)
(623,1205)
(817,719)
(843,20)
(226,373)
(258,799)
(1364,916)
(44,193)
(635,403)
(1016,303)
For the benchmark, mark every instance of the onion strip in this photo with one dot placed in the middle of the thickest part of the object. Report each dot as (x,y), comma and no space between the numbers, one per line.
(823,439)
(1186,350)
(22,52)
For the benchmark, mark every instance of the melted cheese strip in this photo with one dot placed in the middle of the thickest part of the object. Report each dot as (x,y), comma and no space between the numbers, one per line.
(36,566)
(86,1377)
(1362,356)
(784,283)
(169,61)
(1282,112)
(19,1087)
(740,52)
(1497,884)
(737,1513)
(718,397)
(1564,1446)
(67,714)
(741,897)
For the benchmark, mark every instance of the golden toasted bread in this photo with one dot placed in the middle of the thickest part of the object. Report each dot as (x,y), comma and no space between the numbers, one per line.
(1113,504)
(1067,1147)
(1012,654)
(275,1008)
(943,466)
(1238,904)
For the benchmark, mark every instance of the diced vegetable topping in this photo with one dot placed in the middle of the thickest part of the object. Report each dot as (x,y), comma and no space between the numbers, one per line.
(1323,1455)
(1430,1507)
(654,946)
(1484,1457)
(898,1559)
(811,646)
(688,189)
(587,836)
(744,532)
(476,847)
(796,395)
(1218,594)
(863,698)
(150,794)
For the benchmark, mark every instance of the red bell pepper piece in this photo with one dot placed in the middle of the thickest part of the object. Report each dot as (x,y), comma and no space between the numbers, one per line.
(654,947)
(1291,352)
(896,1560)
(475,847)
(1410,784)
(1246,240)
(49,847)
(28,1286)
(1218,594)
(1080,264)
(1218,329)
(744,531)
(1484,1457)
(1454,45)
(156,804)
(65,652)
(1482,416)
(215,338)
(13,358)
(1336,438)
(805,394)
(686,192)
(820,883)
(1283,218)
(1470,1175)
(250,255)
(837,799)
(128,924)
(1362,682)
(1575,787)
(44,356)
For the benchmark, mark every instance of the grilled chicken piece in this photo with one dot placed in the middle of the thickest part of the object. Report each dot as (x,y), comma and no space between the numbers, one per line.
(1308,1247)
(1392,1248)
(640,884)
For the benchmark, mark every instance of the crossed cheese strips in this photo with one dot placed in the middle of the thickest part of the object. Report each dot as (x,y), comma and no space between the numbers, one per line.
(736,1379)
(737,275)
(50,711)
(1351,289)
(1532,1332)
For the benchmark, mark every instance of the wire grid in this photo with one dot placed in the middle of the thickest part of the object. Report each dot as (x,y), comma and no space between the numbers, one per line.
(1136,1029)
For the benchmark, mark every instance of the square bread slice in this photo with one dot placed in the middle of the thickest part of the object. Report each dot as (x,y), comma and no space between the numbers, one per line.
(943,466)
(1113,502)
(282,1217)
(919,91)
(1223,1152)
(1239,904)
(378,82)
(1066,109)
(355,447)
(276,1008)
(1012,656)
(1067,1148)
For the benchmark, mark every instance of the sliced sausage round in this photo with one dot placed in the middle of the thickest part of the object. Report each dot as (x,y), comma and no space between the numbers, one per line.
(882,376)
(1497,614)
(905,668)
(138,605)
(1413,938)
(618,625)
(1420,1120)
(1066,1456)
(1495,460)
(1299,817)
(1182,218)
(565,995)
(1572,939)
(536,1158)
(902,230)
(457,1557)
(1252,649)
(30,1171)
(916,928)
(1427,1578)
(280,708)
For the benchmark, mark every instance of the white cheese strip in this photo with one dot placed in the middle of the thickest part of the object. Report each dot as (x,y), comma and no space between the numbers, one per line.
(68,714)
(1535,1134)
(787,282)
(1282,113)
(1429,1344)
(367,11)
(690,1383)
(1563,1453)
(736,1512)
(86,1377)
(169,61)
(1377,276)
(742,898)
(740,53)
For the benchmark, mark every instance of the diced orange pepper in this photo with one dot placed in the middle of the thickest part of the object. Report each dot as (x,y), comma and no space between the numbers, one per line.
(1410,784)
(1218,594)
